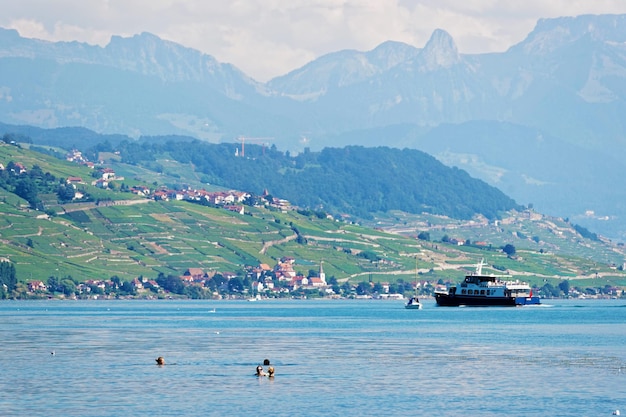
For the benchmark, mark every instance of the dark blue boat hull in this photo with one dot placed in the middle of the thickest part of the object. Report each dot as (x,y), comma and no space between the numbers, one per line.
(446,300)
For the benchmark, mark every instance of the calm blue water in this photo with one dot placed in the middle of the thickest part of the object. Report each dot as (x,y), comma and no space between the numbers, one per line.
(333,358)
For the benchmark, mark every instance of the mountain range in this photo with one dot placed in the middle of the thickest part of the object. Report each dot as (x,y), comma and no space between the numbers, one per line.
(542,121)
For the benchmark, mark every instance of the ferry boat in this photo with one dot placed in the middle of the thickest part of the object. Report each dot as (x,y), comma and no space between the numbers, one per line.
(486,290)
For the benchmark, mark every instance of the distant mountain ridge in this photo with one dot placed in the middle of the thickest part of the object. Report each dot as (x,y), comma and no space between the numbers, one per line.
(340,69)
(144,53)
(566,82)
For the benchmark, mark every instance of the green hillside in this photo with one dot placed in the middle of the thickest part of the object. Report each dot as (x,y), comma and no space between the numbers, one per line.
(116,233)
(353,180)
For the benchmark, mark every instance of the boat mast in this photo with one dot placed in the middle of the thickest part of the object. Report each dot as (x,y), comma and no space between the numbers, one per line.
(415,277)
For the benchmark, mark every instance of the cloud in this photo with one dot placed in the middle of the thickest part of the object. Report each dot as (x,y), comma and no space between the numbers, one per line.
(267,38)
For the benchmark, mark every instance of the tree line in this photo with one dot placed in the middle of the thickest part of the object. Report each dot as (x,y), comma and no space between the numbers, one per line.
(8,280)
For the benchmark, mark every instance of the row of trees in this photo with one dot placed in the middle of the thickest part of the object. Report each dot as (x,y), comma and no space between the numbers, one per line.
(8,280)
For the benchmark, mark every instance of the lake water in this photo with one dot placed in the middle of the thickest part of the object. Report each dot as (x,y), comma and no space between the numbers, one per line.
(332,358)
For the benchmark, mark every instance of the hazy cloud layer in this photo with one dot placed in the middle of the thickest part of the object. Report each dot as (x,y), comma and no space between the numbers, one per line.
(267,38)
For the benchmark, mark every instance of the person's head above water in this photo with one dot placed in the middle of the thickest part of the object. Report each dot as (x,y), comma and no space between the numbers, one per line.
(160,360)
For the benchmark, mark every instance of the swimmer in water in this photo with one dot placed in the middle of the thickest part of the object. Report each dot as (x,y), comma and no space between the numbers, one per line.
(160,361)
(270,370)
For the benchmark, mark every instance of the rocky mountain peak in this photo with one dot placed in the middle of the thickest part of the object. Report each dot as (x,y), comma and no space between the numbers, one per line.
(150,55)
(440,51)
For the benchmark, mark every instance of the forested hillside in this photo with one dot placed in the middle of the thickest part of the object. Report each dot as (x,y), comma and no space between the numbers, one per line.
(353,180)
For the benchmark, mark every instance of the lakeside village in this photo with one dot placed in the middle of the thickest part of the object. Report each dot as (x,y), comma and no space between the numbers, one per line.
(254,282)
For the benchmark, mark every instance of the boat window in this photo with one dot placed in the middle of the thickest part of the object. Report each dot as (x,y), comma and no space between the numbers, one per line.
(482,292)
(463,291)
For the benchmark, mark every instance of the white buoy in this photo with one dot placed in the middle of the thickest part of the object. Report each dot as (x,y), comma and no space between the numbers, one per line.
(616,413)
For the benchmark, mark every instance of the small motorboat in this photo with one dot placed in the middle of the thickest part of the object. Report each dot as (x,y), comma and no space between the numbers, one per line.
(413,303)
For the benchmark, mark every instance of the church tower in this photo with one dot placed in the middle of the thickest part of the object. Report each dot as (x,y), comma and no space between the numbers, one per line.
(322,274)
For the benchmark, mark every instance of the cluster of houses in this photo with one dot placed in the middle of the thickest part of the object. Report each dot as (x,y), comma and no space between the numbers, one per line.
(285,274)
(231,200)
(86,287)
(76,156)
(18,168)
(281,278)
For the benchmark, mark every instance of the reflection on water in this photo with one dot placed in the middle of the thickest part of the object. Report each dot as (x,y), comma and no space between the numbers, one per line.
(343,358)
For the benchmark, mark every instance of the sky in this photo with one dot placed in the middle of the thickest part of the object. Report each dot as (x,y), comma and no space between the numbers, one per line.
(268,38)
